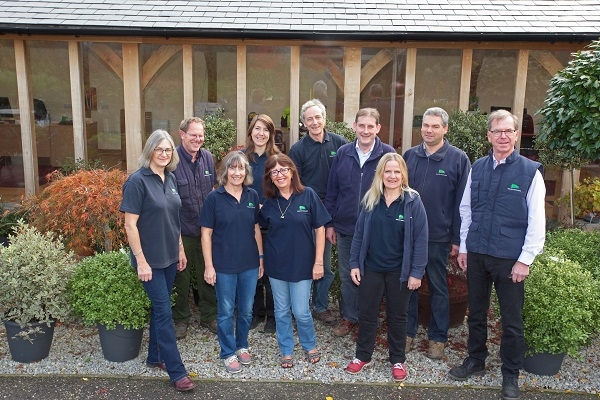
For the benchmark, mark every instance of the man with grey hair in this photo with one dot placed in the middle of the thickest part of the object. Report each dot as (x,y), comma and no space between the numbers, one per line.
(438,171)
(313,156)
(196,177)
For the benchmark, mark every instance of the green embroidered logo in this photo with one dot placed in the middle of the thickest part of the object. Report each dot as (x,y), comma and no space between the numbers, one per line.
(441,171)
(301,208)
(173,190)
(514,186)
(206,173)
(250,204)
(332,153)
(400,217)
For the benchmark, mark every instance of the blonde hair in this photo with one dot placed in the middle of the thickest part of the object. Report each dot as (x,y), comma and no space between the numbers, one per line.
(373,195)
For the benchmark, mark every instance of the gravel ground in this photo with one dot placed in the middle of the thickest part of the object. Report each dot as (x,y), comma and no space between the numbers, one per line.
(76,350)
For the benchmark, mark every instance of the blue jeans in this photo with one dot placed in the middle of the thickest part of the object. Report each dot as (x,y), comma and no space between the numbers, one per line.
(439,320)
(349,302)
(234,291)
(482,272)
(162,346)
(293,296)
(320,292)
(373,285)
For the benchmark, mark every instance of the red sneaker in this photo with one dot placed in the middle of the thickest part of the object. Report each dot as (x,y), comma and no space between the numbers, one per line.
(398,372)
(356,366)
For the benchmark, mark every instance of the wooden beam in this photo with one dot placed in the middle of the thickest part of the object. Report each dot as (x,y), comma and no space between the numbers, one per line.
(28,139)
(374,65)
(409,99)
(547,60)
(188,81)
(294,94)
(242,115)
(133,104)
(109,57)
(465,79)
(77,100)
(156,61)
(520,86)
(352,69)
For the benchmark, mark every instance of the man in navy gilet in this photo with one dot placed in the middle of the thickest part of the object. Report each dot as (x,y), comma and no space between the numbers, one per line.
(502,230)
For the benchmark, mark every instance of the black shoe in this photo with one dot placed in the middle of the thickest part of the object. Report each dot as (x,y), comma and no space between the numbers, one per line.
(510,387)
(269,325)
(469,367)
(255,321)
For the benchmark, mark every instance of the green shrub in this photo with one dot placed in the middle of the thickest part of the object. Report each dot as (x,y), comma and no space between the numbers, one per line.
(341,129)
(220,134)
(468,131)
(579,246)
(34,270)
(105,289)
(562,305)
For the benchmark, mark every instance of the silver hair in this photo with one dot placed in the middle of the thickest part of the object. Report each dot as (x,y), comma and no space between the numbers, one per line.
(153,140)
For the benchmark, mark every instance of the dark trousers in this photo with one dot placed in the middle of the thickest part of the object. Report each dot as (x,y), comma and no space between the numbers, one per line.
(263,298)
(373,285)
(482,272)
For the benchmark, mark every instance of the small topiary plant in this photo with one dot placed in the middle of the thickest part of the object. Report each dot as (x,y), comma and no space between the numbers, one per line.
(83,208)
(34,271)
(579,246)
(105,289)
(220,134)
(562,305)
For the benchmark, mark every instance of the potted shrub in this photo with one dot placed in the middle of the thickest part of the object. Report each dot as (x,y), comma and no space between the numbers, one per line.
(34,270)
(82,207)
(105,291)
(561,311)
(579,246)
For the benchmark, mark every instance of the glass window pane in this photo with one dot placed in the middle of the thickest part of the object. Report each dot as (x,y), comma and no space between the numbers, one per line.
(104,104)
(268,83)
(385,90)
(493,77)
(215,80)
(11,161)
(53,112)
(322,77)
(163,94)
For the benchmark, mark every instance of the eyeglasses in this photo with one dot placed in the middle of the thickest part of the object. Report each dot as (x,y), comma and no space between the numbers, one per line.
(282,171)
(158,151)
(499,132)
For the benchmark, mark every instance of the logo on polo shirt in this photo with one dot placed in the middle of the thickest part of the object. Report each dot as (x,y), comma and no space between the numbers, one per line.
(441,172)
(400,218)
(251,205)
(206,173)
(174,191)
(302,209)
(515,187)
(332,153)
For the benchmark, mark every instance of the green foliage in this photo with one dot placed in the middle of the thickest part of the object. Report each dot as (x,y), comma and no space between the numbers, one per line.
(71,167)
(468,131)
(105,289)
(34,270)
(341,129)
(9,218)
(579,246)
(586,197)
(220,134)
(562,305)
(571,115)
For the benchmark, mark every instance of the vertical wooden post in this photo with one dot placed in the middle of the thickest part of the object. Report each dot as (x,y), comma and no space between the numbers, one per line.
(242,115)
(77,99)
(133,104)
(352,70)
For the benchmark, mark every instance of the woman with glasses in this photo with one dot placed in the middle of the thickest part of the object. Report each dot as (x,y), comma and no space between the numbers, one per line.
(260,145)
(151,205)
(232,248)
(294,248)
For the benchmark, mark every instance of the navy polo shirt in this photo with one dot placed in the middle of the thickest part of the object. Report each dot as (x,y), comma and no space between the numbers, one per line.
(386,246)
(157,204)
(258,170)
(234,247)
(290,246)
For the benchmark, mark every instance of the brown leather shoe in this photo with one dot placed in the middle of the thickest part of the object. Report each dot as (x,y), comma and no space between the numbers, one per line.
(435,350)
(344,327)
(408,347)
(326,317)
(185,384)
(181,329)
(211,326)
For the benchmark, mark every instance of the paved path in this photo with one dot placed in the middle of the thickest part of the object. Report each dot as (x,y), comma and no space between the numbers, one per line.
(78,387)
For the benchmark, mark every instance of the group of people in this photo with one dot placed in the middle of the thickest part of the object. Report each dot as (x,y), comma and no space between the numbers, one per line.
(261,242)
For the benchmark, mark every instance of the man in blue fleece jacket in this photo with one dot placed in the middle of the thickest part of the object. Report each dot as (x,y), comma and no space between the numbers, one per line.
(351,174)
(438,171)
